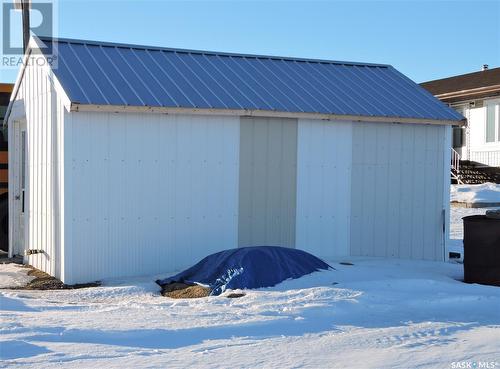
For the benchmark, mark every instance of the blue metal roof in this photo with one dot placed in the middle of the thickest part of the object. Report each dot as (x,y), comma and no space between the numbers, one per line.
(101,73)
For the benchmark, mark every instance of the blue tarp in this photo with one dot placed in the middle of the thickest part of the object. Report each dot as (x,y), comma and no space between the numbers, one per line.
(248,267)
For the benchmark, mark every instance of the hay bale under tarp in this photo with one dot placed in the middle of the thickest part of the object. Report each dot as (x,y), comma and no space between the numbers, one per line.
(184,291)
(245,268)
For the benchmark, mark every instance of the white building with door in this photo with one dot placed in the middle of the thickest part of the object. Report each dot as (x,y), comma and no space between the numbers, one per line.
(477,97)
(132,160)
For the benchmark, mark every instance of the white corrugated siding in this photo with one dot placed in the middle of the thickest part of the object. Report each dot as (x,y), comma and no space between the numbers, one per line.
(323,187)
(371,189)
(43,110)
(397,190)
(149,192)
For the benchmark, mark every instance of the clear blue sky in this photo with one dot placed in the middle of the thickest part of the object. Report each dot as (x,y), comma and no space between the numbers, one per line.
(423,39)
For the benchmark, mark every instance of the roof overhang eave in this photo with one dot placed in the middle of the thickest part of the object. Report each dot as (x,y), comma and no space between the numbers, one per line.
(470,93)
(76,107)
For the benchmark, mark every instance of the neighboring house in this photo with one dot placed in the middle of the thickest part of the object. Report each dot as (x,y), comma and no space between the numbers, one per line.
(133,160)
(477,97)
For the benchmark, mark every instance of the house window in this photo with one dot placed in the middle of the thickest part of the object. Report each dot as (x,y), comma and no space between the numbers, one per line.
(492,122)
(458,137)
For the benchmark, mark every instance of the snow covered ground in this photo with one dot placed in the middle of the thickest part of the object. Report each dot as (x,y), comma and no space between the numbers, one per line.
(375,314)
(480,193)
(14,275)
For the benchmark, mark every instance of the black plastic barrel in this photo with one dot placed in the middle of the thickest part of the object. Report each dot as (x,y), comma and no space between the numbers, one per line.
(482,250)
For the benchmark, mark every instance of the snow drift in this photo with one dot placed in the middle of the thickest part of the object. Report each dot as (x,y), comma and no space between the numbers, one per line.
(247,268)
(480,193)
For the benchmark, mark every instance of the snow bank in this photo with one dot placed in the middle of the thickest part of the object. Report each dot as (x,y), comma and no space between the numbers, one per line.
(14,276)
(481,193)
(374,314)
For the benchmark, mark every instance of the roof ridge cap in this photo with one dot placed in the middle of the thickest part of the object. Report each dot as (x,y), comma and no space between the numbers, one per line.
(208,52)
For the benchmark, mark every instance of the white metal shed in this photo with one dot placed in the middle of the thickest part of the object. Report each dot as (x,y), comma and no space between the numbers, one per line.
(131,160)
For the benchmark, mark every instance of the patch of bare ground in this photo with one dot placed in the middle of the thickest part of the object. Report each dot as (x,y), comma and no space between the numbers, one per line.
(44,281)
(184,291)
(178,290)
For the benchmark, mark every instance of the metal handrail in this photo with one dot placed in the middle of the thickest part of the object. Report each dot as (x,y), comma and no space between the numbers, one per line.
(455,161)
(455,166)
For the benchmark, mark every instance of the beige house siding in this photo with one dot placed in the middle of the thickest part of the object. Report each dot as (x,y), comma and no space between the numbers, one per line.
(268,177)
